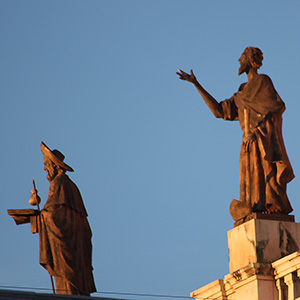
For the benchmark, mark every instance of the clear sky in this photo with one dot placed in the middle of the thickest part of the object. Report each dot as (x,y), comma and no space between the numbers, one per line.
(96,80)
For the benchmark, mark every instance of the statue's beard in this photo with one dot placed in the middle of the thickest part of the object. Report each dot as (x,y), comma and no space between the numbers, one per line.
(51,173)
(244,68)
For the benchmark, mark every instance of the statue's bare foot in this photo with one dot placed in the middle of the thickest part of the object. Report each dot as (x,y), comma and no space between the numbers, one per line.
(273,208)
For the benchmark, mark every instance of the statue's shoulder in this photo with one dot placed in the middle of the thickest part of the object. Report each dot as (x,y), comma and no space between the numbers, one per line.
(60,177)
(59,180)
(265,81)
(264,77)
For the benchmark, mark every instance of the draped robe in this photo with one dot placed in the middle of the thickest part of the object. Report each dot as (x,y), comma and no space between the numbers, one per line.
(270,168)
(65,239)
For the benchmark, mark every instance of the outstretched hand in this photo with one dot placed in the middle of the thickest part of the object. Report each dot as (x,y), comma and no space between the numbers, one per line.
(185,76)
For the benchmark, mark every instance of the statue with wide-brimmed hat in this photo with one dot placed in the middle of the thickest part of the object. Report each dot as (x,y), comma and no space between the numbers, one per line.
(55,156)
(63,226)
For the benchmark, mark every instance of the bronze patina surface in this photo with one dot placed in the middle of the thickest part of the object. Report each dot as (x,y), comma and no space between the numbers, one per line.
(65,234)
(265,169)
(22,216)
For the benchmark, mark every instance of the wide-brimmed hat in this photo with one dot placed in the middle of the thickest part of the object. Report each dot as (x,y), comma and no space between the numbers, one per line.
(55,156)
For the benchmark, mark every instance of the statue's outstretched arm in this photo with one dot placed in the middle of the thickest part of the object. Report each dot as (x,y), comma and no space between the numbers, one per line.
(211,102)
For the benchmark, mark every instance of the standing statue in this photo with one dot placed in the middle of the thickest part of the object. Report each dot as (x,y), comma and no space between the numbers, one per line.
(65,234)
(265,169)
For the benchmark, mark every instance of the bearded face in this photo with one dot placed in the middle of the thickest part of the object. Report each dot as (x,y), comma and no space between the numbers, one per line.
(250,58)
(50,168)
(244,65)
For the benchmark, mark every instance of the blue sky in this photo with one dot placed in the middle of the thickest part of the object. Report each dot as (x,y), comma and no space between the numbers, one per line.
(96,80)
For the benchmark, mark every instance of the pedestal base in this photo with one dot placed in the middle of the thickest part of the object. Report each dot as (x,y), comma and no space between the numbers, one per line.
(261,241)
(264,263)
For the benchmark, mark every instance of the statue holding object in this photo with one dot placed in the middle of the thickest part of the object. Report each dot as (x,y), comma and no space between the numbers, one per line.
(65,234)
(265,168)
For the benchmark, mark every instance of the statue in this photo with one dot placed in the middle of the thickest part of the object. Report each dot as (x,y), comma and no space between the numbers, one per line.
(265,169)
(65,234)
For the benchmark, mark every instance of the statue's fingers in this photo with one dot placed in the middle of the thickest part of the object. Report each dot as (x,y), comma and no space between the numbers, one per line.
(182,72)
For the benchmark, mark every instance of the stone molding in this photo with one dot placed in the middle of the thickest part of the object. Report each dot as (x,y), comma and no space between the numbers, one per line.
(264,263)
(287,265)
(256,275)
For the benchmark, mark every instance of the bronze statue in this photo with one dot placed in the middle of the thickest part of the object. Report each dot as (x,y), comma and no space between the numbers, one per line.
(65,234)
(265,169)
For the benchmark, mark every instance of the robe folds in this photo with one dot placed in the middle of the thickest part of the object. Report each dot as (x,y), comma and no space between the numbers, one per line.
(65,239)
(270,168)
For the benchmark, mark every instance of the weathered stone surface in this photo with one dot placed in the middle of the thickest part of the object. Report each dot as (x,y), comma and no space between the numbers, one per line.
(264,262)
(286,274)
(286,265)
(261,241)
(214,290)
(254,282)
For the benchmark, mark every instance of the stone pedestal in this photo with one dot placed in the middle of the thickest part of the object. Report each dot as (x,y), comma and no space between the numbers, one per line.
(256,251)
(261,241)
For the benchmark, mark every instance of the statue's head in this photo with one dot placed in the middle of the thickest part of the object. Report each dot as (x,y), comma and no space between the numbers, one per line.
(54,162)
(51,168)
(251,58)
